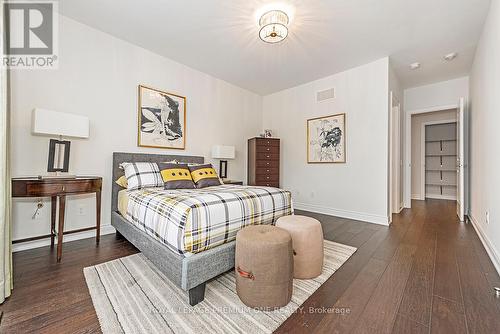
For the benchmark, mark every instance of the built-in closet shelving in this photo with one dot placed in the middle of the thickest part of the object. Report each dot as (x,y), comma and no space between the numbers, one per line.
(440,161)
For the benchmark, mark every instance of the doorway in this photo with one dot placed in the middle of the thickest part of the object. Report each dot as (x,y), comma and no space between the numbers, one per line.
(442,172)
(426,155)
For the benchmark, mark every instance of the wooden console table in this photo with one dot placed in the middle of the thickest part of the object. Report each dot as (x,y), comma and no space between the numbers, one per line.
(57,189)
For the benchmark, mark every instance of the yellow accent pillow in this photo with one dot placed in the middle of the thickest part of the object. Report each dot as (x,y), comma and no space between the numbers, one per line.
(176,176)
(122,181)
(204,176)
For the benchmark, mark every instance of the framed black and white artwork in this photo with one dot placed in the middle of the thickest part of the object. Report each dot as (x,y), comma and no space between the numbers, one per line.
(162,119)
(326,139)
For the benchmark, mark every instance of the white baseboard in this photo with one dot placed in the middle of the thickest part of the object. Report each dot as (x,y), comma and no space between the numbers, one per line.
(490,249)
(417,197)
(105,229)
(366,217)
(448,197)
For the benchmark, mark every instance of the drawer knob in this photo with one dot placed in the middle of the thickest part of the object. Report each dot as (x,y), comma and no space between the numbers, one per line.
(267,156)
(267,170)
(268,177)
(267,184)
(268,149)
(268,141)
(63,188)
(268,163)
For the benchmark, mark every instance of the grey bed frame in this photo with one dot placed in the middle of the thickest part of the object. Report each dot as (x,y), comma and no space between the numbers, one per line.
(189,273)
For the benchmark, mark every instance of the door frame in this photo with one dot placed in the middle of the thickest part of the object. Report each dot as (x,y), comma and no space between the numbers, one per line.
(407,145)
(394,141)
(422,152)
(463,159)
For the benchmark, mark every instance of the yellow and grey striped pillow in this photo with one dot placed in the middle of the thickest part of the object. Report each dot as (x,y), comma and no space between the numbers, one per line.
(176,176)
(204,176)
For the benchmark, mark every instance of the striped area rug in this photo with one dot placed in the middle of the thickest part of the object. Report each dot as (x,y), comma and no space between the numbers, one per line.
(131,296)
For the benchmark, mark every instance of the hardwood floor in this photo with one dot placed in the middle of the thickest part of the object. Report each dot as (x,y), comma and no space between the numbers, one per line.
(427,273)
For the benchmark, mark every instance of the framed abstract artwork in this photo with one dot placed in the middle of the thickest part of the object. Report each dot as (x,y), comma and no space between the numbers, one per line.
(162,119)
(326,139)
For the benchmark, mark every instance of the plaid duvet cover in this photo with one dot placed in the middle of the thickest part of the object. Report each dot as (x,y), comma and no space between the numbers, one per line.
(193,220)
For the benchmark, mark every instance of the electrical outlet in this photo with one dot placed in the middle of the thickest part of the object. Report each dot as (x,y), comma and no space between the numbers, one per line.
(487,217)
(81,210)
(39,206)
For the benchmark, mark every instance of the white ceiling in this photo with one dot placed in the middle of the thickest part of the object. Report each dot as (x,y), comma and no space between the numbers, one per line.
(220,37)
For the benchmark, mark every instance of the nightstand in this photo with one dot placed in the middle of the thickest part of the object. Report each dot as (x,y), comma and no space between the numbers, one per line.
(239,183)
(57,189)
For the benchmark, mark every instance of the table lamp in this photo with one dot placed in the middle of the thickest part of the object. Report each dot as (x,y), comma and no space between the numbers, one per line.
(47,122)
(223,152)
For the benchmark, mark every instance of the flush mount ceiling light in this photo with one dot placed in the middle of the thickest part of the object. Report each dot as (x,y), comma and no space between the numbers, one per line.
(450,56)
(273,26)
(415,65)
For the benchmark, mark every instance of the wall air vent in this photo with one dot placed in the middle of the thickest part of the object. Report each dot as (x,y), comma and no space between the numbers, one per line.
(325,95)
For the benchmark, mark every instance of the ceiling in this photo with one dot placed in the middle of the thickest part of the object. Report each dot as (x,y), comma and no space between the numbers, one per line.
(220,37)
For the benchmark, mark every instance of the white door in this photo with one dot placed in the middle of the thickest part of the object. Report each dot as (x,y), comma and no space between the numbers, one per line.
(394,156)
(396,170)
(461,159)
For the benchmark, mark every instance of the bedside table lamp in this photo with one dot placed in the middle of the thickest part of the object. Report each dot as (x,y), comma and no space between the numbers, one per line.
(47,122)
(223,152)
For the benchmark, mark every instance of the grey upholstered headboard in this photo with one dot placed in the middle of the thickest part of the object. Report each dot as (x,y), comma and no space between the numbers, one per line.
(119,157)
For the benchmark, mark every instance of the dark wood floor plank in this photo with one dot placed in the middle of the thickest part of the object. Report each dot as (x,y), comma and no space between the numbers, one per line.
(337,232)
(53,297)
(398,231)
(447,317)
(481,307)
(359,239)
(380,312)
(487,266)
(446,280)
(417,297)
(354,299)
(408,326)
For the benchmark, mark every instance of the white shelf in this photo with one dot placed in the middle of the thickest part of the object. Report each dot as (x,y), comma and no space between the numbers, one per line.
(437,184)
(439,145)
(438,141)
(441,155)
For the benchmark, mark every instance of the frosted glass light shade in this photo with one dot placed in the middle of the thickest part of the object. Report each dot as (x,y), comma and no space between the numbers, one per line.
(223,152)
(48,122)
(273,26)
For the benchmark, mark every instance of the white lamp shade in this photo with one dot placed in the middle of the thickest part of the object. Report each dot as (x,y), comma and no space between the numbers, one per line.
(48,122)
(223,152)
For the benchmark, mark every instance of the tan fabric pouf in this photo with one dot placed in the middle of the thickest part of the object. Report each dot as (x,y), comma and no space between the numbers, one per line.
(264,266)
(307,239)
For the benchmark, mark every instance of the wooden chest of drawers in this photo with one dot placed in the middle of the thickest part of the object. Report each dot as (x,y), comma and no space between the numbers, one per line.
(264,162)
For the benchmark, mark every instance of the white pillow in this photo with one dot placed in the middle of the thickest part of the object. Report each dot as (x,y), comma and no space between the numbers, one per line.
(142,175)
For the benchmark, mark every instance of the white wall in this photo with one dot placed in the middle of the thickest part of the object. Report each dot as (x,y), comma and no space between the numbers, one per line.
(484,135)
(358,188)
(442,93)
(98,77)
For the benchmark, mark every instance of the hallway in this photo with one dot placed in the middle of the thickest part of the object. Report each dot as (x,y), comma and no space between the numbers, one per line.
(426,273)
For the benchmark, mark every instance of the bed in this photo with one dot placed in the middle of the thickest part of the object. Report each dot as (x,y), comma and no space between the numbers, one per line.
(189,234)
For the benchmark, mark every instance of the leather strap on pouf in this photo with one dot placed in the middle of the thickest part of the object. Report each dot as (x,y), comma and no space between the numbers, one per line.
(245,274)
